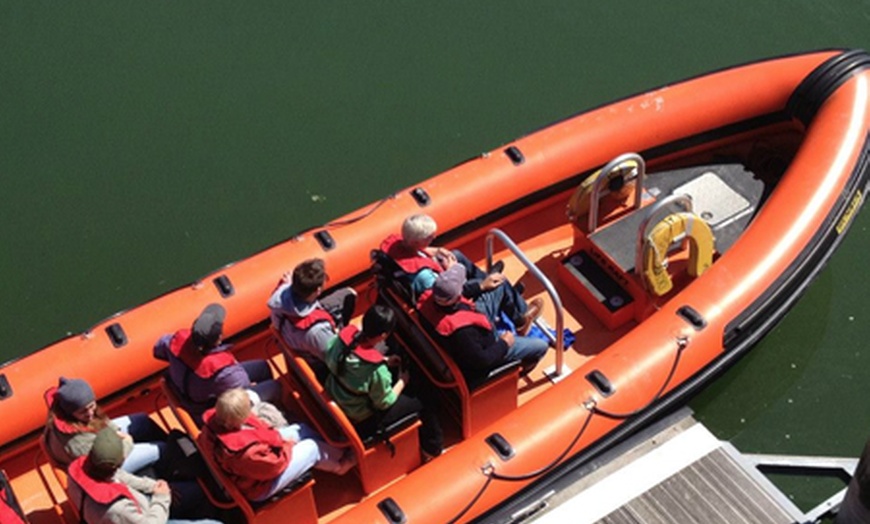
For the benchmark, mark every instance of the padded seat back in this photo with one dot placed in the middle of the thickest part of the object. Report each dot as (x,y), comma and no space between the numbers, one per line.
(379,460)
(474,402)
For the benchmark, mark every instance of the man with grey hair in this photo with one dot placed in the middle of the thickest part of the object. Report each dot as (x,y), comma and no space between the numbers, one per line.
(421,262)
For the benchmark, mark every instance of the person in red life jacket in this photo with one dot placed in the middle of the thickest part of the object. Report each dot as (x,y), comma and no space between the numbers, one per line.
(471,331)
(201,366)
(262,460)
(306,320)
(104,493)
(74,418)
(362,384)
(422,263)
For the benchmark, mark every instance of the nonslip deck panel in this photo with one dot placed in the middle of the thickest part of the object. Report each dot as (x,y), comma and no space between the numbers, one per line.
(725,195)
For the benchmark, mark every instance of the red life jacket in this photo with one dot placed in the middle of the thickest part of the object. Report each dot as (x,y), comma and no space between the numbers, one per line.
(366,352)
(9,507)
(236,441)
(102,492)
(7,514)
(305,323)
(410,260)
(235,451)
(447,322)
(204,366)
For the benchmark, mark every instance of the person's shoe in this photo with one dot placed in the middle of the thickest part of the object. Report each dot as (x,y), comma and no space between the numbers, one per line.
(498,267)
(532,312)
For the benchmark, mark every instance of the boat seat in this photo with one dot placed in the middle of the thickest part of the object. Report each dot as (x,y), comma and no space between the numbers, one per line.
(381,458)
(60,476)
(474,402)
(293,504)
(56,468)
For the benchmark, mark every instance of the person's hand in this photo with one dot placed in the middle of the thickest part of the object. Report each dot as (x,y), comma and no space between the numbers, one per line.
(394,361)
(287,277)
(445,258)
(404,376)
(508,337)
(161,487)
(492,281)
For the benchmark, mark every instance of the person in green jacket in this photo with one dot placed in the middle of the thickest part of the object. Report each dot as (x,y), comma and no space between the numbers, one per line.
(362,381)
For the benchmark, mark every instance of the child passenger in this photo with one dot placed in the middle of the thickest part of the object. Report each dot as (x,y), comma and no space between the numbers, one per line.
(361,382)
(74,419)
(259,458)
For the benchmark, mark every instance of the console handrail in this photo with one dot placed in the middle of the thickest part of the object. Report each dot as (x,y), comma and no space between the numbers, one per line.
(603,174)
(537,273)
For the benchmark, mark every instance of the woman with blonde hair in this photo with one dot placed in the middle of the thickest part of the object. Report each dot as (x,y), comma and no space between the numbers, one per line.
(259,458)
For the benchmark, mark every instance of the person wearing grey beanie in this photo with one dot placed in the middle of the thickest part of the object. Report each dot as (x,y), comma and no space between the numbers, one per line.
(73,394)
(74,419)
(202,366)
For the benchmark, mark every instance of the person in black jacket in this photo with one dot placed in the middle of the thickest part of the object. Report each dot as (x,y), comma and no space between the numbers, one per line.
(475,333)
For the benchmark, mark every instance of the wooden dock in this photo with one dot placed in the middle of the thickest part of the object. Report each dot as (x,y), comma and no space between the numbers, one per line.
(677,472)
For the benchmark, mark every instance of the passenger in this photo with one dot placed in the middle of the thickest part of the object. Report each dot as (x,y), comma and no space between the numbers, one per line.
(422,262)
(471,329)
(74,419)
(104,493)
(362,384)
(306,320)
(201,367)
(262,460)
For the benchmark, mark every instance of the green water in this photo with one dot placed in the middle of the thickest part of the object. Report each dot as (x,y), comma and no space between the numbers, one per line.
(144,144)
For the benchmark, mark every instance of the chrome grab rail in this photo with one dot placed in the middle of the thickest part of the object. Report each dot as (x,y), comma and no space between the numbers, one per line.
(606,170)
(682,200)
(537,273)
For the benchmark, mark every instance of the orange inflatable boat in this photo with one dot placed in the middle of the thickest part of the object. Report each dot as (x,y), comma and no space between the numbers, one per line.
(667,232)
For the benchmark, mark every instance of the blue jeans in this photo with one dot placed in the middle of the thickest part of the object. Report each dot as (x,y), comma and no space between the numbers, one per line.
(149,441)
(305,455)
(527,348)
(505,299)
(328,456)
(263,384)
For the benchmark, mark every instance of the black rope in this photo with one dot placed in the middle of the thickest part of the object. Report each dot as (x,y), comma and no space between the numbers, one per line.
(473,501)
(551,465)
(339,223)
(491,474)
(680,346)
